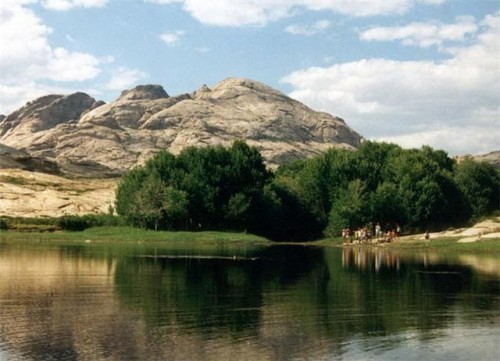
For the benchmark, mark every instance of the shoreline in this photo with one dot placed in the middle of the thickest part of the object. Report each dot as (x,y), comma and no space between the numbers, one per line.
(126,235)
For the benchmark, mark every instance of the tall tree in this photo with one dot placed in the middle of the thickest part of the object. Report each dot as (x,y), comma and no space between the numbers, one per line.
(480,183)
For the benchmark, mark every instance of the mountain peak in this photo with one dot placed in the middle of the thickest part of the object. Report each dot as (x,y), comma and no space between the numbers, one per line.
(144,92)
(243,84)
(116,136)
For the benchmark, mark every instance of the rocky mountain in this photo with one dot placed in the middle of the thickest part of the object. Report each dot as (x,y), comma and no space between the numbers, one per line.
(11,158)
(492,157)
(84,137)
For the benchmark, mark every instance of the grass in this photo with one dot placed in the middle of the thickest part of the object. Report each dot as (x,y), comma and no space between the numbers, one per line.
(448,244)
(129,234)
(13,180)
(121,234)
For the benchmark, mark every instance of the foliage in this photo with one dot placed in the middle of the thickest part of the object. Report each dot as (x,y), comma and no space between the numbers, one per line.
(480,184)
(201,188)
(73,223)
(4,224)
(80,223)
(217,188)
(418,188)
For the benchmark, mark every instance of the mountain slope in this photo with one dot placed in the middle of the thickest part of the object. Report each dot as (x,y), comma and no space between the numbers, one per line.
(85,137)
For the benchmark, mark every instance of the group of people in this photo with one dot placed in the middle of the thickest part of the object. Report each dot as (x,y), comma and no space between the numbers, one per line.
(365,235)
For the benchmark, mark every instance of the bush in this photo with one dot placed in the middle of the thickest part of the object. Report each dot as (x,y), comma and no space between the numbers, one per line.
(73,223)
(4,224)
(104,220)
(80,223)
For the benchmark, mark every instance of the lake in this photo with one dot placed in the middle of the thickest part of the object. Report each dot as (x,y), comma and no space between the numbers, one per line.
(222,302)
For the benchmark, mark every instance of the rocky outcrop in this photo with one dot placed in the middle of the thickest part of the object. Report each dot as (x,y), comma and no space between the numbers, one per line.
(492,157)
(35,194)
(89,138)
(11,158)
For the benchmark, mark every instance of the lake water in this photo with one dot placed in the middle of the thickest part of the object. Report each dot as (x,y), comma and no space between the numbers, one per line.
(144,302)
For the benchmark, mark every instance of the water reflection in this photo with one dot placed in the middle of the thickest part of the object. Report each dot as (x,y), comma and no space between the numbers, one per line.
(218,295)
(100,302)
(363,258)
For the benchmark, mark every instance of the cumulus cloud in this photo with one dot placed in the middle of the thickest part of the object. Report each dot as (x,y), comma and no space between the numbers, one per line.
(260,12)
(164,1)
(308,30)
(124,78)
(172,37)
(28,59)
(64,5)
(32,67)
(450,104)
(424,34)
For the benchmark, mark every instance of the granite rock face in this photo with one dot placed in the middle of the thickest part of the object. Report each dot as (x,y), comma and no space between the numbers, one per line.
(85,137)
(492,157)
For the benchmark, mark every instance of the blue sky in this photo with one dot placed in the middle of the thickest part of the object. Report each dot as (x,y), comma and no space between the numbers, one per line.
(412,72)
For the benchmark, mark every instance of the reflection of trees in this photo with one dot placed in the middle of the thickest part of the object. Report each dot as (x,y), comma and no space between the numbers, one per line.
(274,303)
(399,292)
(355,291)
(217,294)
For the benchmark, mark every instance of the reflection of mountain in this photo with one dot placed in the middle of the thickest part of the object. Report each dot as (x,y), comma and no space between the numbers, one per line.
(488,265)
(43,306)
(98,302)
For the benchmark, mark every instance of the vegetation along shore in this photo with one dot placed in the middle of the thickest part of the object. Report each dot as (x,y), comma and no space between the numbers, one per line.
(214,189)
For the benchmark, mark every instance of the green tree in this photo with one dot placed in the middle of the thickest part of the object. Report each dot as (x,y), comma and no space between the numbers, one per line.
(201,188)
(480,183)
(149,203)
(386,205)
(350,209)
(237,211)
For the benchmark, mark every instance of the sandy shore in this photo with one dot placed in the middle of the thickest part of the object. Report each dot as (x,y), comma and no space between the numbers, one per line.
(489,229)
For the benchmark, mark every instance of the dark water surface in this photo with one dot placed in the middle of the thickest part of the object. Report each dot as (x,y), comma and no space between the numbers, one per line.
(141,302)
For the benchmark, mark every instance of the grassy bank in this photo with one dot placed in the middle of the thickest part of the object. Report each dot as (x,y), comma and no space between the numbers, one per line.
(450,244)
(120,234)
(129,234)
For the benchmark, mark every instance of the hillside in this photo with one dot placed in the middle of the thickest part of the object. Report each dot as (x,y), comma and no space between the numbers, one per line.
(34,194)
(87,138)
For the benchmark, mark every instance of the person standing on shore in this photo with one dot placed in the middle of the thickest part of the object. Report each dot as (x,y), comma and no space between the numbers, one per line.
(378,230)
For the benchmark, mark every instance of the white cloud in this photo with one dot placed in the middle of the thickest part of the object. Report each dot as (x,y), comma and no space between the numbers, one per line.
(450,104)
(237,13)
(318,27)
(260,12)
(23,41)
(31,66)
(424,34)
(27,54)
(64,5)
(63,65)
(455,140)
(172,37)
(124,78)
(163,2)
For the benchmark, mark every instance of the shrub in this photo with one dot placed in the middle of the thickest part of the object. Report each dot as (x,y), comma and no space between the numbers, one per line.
(4,224)
(73,223)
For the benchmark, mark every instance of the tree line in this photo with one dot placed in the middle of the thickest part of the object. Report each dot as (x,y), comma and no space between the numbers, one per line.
(219,188)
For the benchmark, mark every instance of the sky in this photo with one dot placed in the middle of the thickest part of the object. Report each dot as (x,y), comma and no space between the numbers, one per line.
(410,72)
